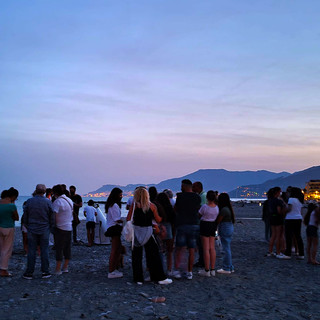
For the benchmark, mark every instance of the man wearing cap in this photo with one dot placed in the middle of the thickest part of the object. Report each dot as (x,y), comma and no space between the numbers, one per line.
(38,219)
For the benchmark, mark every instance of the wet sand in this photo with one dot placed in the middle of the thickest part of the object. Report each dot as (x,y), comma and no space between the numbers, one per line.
(261,287)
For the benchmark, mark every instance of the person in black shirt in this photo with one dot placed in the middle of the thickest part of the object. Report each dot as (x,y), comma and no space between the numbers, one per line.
(187,222)
(77,204)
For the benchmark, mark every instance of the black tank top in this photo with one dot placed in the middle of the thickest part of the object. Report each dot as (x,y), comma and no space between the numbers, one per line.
(142,219)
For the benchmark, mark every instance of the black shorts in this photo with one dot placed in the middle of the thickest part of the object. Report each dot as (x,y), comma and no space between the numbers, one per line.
(276,220)
(90,225)
(208,228)
(114,231)
(312,232)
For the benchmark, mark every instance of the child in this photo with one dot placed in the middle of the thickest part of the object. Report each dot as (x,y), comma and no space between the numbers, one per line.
(311,220)
(90,212)
(209,213)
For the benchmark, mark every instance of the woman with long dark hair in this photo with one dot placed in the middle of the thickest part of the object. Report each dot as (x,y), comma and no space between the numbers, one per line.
(292,223)
(226,220)
(168,219)
(114,229)
(144,212)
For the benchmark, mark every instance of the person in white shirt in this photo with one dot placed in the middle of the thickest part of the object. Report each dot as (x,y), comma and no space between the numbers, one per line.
(114,229)
(90,212)
(293,221)
(62,208)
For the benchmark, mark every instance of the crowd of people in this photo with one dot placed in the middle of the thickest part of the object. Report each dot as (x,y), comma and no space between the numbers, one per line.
(167,229)
(162,224)
(282,215)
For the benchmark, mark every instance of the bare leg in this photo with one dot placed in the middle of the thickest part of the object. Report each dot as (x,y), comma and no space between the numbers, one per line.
(206,254)
(314,250)
(65,265)
(212,252)
(191,259)
(272,239)
(58,266)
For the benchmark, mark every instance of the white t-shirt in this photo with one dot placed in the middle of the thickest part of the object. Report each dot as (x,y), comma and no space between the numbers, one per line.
(63,207)
(113,215)
(91,213)
(208,213)
(295,212)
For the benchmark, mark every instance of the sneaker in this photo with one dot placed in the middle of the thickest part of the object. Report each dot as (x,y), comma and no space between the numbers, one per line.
(176,274)
(65,271)
(204,273)
(300,257)
(115,274)
(212,273)
(57,272)
(165,281)
(282,256)
(189,275)
(139,283)
(270,254)
(27,276)
(222,271)
(45,275)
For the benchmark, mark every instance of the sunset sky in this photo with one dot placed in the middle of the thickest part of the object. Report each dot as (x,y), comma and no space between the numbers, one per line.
(118,92)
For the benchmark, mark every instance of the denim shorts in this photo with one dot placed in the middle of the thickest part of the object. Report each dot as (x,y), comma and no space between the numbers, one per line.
(187,235)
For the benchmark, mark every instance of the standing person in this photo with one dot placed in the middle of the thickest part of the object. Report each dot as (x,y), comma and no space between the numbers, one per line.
(169,193)
(63,208)
(277,210)
(312,220)
(168,222)
(90,212)
(225,222)
(266,216)
(293,221)
(38,219)
(114,229)
(209,213)
(187,207)
(144,212)
(8,215)
(197,187)
(77,204)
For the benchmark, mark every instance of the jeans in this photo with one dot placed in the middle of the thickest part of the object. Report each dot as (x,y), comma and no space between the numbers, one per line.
(225,232)
(33,241)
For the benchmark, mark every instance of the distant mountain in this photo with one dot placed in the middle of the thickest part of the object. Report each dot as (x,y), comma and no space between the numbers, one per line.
(215,179)
(297,179)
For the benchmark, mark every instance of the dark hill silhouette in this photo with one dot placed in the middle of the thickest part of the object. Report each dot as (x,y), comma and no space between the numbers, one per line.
(215,179)
(297,179)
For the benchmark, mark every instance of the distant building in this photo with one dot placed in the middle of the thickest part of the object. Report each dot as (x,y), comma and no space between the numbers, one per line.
(312,190)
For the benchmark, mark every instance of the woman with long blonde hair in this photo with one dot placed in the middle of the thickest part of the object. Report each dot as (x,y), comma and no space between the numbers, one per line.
(144,212)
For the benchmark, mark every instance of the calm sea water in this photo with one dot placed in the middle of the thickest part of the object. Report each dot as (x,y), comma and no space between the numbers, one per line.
(21,199)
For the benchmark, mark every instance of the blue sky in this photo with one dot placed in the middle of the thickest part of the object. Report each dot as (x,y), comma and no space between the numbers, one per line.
(118,92)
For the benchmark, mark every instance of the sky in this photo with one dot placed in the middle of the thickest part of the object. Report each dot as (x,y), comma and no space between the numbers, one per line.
(118,92)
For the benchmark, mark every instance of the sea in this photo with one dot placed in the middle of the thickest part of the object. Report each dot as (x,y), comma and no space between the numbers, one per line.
(21,199)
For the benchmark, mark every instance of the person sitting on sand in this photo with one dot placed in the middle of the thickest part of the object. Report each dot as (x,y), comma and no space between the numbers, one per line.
(312,220)
(209,213)
(114,229)
(225,223)
(8,215)
(277,211)
(90,212)
(144,212)
(63,208)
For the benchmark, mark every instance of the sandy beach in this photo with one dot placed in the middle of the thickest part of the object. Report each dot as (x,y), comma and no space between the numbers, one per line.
(261,287)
